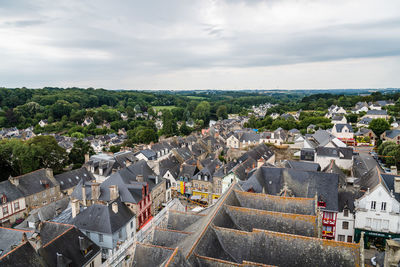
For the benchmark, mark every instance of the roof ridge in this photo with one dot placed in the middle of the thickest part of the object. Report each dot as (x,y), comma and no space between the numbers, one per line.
(17,247)
(55,238)
(29,173)
(13,229)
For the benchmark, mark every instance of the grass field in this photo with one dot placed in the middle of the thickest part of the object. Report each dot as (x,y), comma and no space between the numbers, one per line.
(196,97)
(163,107)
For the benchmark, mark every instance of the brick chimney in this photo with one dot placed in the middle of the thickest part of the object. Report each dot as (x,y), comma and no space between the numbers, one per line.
(113,192)
(95,191)
(139,178)
(75,207)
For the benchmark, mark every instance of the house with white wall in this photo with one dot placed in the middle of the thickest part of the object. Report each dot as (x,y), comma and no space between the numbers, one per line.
(378,210)
(346,214)
(12,203)
(343,156)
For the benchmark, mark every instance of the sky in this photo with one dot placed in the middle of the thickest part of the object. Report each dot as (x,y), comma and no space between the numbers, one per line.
(200,44)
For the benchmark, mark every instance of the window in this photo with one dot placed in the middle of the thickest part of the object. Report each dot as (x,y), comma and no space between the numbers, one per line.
(91,264)
(376,224)
(5,210)
(385,224)
(345,225)
(16,205)
(131,224)
(349,239)
(373,205)
(101,238)
(346,213)
(341,238)
(383,206)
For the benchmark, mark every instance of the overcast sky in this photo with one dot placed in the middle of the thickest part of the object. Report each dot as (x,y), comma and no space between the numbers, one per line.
(168,44)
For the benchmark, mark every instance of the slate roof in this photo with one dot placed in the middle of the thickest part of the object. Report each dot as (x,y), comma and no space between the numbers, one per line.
(346,197)
(333,168)
(249,136)
(10,191)
(170,164)
(214,239)
(300,184)
(340,126)
(148,153)
(322,137)
(70,179)
(376,112)
(362,164)
(101,218)
(30,183)
(71,244)
(392,134)
(335,152)
(302,165)
(22,256)
(365,120)
(9,238)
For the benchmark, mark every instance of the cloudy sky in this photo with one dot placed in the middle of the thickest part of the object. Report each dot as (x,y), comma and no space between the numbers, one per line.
(200,44)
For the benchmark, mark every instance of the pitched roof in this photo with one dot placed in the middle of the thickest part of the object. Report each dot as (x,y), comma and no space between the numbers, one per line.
(335,152)
(340,126)
(23,255)
(392,133)
(70,246)
(101,218)
(71,178)
(34,182)
(376,112)
(298,183)
(302,165)
(10,191)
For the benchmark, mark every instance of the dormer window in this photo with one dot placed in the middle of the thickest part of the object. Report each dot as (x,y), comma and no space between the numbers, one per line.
(321,204)
(3,199)
(199,177)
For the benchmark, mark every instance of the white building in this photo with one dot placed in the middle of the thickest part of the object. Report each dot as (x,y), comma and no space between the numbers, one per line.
(377,211)
(346,215)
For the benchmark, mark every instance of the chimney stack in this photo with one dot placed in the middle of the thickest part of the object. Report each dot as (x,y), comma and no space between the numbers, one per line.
(114,194)
(49,173)
(397,184)
(75,207)
(114,207)
(95,191)
(14,180)
(139,178)
(84,194)
(35,241)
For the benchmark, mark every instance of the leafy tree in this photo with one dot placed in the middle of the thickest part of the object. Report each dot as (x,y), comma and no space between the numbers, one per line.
(202,111)
(222,112)
(378,126)
(184,130)
(78,152)
(47,153)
